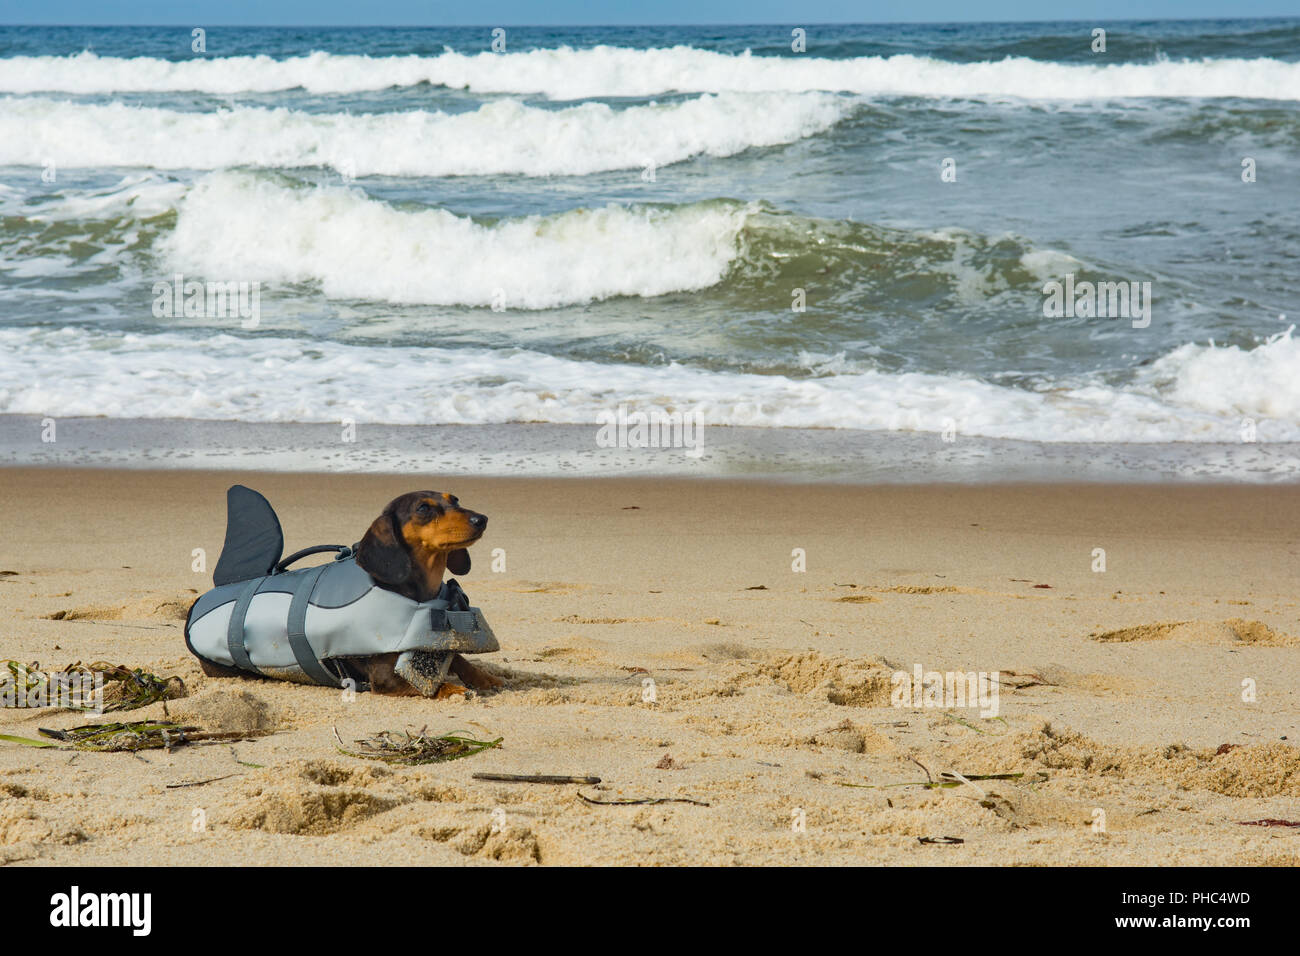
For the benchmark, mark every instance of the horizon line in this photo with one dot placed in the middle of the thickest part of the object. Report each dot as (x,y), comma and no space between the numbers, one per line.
(736,23)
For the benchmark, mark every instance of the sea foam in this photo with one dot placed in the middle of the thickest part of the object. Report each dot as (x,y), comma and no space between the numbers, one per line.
(264,377)
(566,74)
(239,226)
(500,137)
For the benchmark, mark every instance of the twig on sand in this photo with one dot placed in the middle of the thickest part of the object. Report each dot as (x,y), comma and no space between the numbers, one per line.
(1269,822)
(534,778)
(245,763)
(967,724)
(641,801)
(141,627)
(199,783)
(953,775)
(949,781)
(1017,680)
(940,841)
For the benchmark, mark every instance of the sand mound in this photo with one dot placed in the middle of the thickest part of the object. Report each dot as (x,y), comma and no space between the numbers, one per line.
(519,680)
(1264,770)
(508,845)
(228,710)
(174,606)
(1232,631)
(1093,682)
(1259,633)
(854,738)
(575,648)
(849,682)
(20,792)
(729,651)
(313,797)
(932,814)
(331,773)
(309,812)
(22,825)
(500,841)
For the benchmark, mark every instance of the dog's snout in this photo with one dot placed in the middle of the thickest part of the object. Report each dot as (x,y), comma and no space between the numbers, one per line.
(478,521)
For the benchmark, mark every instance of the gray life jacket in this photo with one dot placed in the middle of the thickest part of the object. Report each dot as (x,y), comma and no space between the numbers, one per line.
(303,625)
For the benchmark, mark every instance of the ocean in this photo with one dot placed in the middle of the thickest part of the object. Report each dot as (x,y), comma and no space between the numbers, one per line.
(415,229)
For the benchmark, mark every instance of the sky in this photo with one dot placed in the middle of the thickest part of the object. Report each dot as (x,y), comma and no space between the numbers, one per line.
(611,12)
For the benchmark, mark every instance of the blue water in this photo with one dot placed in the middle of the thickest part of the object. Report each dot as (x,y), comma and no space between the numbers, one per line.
(378,249)
(1132,41)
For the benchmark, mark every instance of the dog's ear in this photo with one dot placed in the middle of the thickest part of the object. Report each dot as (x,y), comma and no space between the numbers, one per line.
(382,554)
(458,561)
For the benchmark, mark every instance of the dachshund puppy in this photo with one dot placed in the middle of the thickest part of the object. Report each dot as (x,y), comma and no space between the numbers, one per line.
(407,549)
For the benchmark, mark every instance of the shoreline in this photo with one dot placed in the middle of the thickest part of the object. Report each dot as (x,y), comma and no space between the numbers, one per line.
(841,456)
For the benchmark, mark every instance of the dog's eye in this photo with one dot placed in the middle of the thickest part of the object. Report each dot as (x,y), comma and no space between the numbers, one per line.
(424,510)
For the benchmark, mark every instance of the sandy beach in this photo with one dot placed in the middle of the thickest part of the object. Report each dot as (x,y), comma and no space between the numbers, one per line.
(1119,692)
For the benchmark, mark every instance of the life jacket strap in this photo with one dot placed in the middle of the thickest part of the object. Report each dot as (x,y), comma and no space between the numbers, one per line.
(343,552)
(463,622)
(235,631)
(303,652)
(456,613)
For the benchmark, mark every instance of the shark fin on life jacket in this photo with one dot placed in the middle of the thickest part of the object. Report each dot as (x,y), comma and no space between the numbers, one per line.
(254,540)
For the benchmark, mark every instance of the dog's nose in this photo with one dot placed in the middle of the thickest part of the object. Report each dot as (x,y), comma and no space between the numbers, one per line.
(478,521)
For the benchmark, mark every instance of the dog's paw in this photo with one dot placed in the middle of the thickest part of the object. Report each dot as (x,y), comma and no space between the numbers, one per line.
(426,671)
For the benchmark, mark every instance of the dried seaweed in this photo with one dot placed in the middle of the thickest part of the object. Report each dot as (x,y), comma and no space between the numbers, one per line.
(126,688)
(418,748)
(130,737)
(134,688)
(142,735)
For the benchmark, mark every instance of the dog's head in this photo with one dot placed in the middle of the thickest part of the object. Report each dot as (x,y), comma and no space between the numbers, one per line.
(416,537)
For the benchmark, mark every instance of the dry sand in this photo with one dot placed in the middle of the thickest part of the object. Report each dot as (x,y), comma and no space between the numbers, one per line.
(772,687)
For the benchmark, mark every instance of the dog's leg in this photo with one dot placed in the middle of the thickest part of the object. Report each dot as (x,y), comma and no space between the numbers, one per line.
(474,677)
(220,670)
(380,678)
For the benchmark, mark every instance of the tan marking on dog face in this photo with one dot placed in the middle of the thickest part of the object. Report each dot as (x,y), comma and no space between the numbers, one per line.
(437,523)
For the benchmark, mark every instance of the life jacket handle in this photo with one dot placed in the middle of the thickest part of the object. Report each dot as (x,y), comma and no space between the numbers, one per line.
(343,552)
